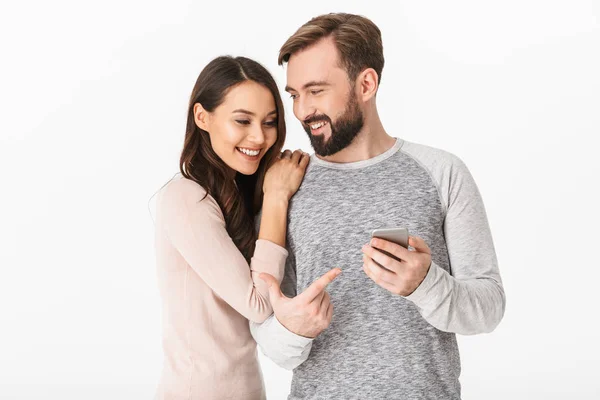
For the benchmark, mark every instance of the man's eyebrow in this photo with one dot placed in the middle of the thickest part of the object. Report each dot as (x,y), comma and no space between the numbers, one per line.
(308,84)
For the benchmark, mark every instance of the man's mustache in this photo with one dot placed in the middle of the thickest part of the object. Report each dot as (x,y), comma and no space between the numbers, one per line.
(317,118)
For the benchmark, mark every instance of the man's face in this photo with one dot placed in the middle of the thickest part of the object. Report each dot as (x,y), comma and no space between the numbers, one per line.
(325,102)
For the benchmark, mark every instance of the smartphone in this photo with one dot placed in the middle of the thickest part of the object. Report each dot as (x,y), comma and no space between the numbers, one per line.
(395,235)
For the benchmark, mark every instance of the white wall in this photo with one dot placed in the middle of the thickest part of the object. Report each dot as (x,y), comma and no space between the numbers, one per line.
(93,101)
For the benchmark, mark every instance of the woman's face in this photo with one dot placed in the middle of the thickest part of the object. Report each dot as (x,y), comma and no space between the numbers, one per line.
(243,127)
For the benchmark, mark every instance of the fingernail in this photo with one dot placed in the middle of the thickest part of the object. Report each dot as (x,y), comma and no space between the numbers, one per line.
(374,242)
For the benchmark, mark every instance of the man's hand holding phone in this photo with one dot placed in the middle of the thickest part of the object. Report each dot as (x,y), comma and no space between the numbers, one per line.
(402,273)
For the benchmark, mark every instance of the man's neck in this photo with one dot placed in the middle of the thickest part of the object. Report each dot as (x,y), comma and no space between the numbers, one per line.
(371,141)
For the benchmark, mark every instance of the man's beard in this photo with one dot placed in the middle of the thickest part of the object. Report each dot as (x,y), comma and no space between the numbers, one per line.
(343,132)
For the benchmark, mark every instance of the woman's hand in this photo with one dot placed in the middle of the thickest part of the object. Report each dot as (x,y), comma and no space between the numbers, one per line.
(285,175)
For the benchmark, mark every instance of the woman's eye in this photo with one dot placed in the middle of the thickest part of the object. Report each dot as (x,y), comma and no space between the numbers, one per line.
(242,121)
(271,123)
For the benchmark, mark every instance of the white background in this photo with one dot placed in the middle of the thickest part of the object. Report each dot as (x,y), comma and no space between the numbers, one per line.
(93,105)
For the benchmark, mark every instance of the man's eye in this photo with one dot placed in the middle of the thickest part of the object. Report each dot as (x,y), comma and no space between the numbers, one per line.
(315,92)
(293,96)
(242,121)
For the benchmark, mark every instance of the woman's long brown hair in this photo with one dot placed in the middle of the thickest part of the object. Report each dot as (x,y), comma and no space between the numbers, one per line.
(201,164)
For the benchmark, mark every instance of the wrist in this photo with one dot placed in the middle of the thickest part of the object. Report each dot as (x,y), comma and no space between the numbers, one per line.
(287,326)
(275,198)
(290,336)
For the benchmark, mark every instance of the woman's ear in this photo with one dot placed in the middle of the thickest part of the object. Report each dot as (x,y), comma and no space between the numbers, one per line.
(201,117)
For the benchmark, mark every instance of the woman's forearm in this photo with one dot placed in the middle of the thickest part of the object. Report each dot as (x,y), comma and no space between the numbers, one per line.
(273,222)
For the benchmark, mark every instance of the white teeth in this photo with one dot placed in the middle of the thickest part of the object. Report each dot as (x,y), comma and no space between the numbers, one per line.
(249,152)
(317,126)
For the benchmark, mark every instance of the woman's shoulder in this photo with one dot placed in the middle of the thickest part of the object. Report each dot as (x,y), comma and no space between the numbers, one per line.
(181,191)
(182,186)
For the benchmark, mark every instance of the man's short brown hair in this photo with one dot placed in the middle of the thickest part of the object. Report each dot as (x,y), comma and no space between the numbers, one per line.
(357,39)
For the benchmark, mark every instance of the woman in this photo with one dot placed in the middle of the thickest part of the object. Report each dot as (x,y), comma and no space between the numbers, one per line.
(208,253)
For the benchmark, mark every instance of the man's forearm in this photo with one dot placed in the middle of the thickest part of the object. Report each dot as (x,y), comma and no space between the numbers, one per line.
(285,348)
(467,307)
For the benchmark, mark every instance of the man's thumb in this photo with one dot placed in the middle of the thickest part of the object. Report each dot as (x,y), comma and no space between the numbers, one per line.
(274,289)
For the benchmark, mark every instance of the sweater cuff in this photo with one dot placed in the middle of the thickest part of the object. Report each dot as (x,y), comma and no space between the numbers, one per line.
(288,337)
(425,292)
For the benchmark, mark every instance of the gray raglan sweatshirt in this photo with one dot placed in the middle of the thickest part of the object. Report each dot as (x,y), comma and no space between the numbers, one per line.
(380,345)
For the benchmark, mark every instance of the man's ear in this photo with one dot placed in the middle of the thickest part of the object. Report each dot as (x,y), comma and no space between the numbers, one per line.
(367,83)
(201,117)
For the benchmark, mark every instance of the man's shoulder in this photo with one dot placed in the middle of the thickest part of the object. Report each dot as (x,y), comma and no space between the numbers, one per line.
(446,169)
(432,158)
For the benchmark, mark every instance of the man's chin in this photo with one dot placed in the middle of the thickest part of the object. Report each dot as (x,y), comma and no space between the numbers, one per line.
(319,144)
(324,150)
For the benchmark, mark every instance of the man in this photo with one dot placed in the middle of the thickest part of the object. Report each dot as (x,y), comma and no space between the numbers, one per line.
(392,334)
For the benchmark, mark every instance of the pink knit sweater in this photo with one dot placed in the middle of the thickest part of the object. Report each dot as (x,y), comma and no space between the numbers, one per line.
(209,292)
